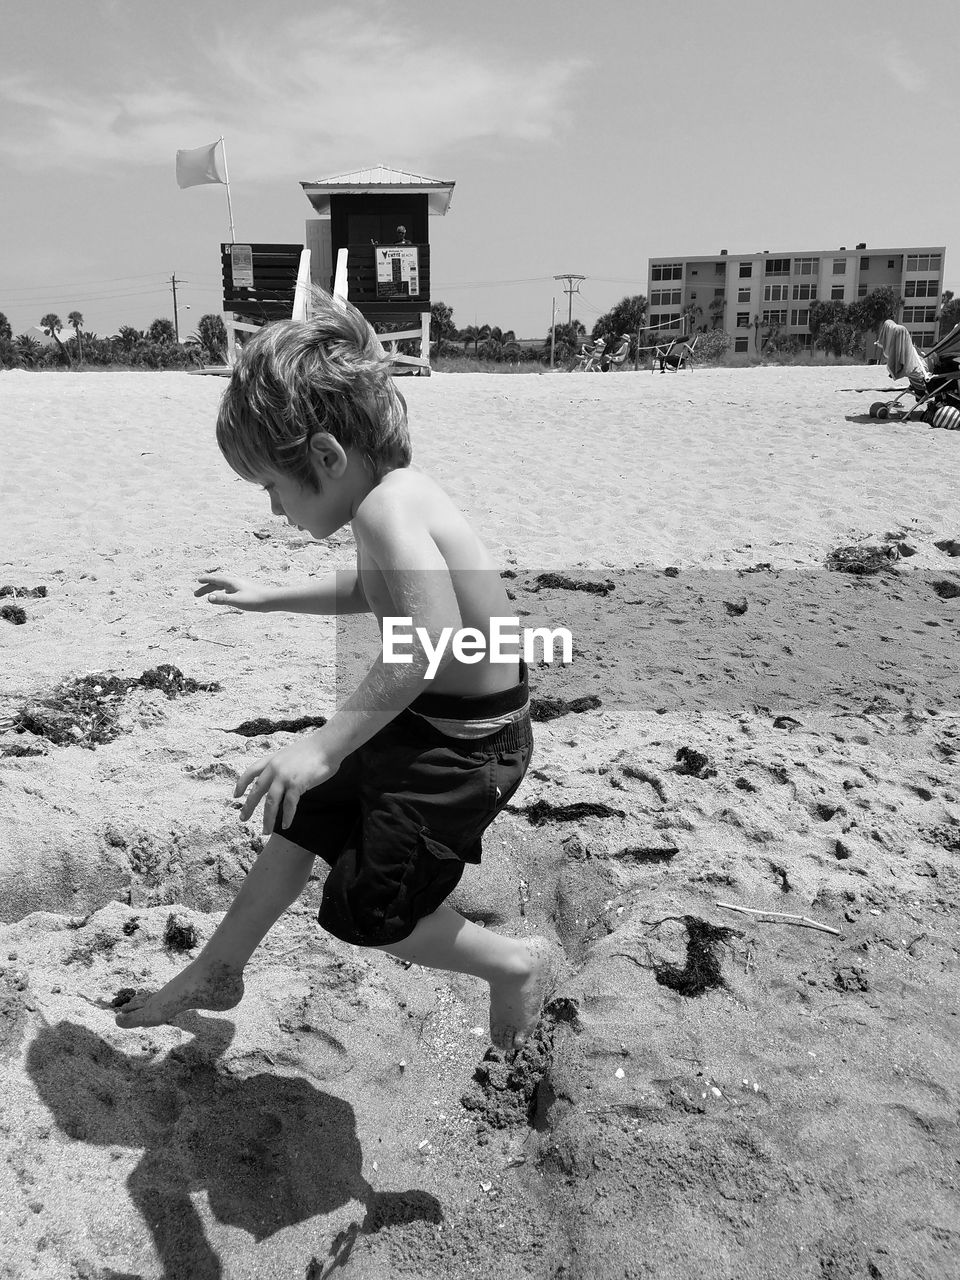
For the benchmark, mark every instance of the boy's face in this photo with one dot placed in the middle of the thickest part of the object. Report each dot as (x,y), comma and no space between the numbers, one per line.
(315,513)
(321,511)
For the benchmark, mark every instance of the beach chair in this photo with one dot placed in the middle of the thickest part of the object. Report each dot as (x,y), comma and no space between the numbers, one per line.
(676,355)
(933,377)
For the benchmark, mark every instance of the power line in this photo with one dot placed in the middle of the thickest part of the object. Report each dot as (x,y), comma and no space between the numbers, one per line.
(489,284)
(77,284)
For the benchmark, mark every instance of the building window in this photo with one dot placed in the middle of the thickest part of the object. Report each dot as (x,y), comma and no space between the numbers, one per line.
(666,271)
(836,293)
(805,339)
(743,319)
(775,317)
(861,290)
(890,264)
(665,297)
(776,267)
(925,338)
(919,315)
(741,344)
(921,289)
(839,266)
(806,266)
(864,264)
(746,270)
(804,292)
(693,294)
(743,295)
(721,268)
(923,262)
(776,292)
(662,319)
(800,316)
(719,293)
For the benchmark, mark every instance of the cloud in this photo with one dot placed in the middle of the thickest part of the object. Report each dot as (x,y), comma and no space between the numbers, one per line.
(308,95)
(909,74)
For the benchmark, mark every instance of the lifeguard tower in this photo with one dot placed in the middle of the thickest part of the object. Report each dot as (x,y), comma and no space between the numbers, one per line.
(371,245)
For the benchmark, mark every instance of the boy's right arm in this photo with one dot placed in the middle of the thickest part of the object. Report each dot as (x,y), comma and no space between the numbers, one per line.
(334,593)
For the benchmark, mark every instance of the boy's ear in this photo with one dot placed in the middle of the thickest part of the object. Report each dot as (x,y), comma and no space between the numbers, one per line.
(328,455)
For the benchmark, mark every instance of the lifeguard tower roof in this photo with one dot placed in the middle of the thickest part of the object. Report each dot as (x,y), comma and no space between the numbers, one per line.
(379,180)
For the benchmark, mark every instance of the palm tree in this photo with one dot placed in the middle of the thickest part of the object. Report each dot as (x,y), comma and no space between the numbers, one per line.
(161,330)
(51,324)
(442,328)
(211,336)
(75,320)
(476,335)
(6,329)
(499,343)
(716,309)
(28,350)
(690,313)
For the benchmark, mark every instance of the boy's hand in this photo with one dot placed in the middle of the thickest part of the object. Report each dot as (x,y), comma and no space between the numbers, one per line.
(281,779)
(238,592)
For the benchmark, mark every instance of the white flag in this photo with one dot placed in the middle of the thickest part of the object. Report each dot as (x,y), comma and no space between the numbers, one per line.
(200,165)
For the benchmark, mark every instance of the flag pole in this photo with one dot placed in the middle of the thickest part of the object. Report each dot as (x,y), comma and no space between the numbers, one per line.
(226,178)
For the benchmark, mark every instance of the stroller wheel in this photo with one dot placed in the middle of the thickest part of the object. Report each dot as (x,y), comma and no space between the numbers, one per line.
(876,407)
(883,410)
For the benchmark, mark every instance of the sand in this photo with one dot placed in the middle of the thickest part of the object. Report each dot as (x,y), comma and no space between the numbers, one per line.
(711,1093)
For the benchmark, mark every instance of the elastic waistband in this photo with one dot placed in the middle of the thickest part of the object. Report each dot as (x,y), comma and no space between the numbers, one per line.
(474,706)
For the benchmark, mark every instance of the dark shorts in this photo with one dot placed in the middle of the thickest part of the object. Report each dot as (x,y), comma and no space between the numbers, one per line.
(404,813)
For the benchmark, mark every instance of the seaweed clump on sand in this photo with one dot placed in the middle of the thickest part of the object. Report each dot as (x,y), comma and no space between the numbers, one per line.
(35,593)
(701,971)
(179,933)
(551,708)
(542,811)
(85,711)
(264,725)
(862,559)
(13,613)
(561,582)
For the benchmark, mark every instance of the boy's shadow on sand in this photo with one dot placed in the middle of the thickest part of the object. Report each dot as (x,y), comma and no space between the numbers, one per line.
(269,1150)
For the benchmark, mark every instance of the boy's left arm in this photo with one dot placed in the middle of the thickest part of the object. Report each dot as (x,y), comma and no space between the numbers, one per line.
(420,588)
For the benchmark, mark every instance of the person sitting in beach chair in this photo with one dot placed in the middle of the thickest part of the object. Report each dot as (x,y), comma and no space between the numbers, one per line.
(618,358)
(589,358)
(595,362)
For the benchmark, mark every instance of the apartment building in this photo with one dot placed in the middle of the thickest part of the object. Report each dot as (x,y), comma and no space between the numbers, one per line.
(749,294)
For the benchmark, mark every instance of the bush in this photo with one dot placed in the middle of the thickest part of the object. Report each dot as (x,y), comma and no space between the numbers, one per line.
(712,347)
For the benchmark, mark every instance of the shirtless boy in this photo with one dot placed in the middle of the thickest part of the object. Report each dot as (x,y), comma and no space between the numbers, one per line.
(396,789)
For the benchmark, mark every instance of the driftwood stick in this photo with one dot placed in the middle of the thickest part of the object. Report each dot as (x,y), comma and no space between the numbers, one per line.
(805,921)
(224,644)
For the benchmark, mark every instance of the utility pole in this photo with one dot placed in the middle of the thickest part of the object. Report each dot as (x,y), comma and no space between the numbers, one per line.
(570,289)
(553,331)
(176,319)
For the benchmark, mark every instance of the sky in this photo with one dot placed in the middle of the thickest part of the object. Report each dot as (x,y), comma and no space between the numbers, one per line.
(581,138)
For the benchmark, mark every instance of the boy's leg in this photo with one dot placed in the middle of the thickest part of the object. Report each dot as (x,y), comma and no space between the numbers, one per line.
(521,971)
(214,980)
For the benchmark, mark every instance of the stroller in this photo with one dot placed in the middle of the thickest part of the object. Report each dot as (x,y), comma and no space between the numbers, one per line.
(933,377)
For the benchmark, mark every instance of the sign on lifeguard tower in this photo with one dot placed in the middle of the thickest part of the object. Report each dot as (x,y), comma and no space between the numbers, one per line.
(398,271)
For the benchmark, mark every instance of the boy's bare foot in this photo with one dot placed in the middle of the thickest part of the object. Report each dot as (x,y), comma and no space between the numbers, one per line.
(216,986)
(515,1002)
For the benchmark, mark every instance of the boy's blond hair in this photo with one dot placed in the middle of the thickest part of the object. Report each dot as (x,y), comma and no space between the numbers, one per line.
(294,379)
